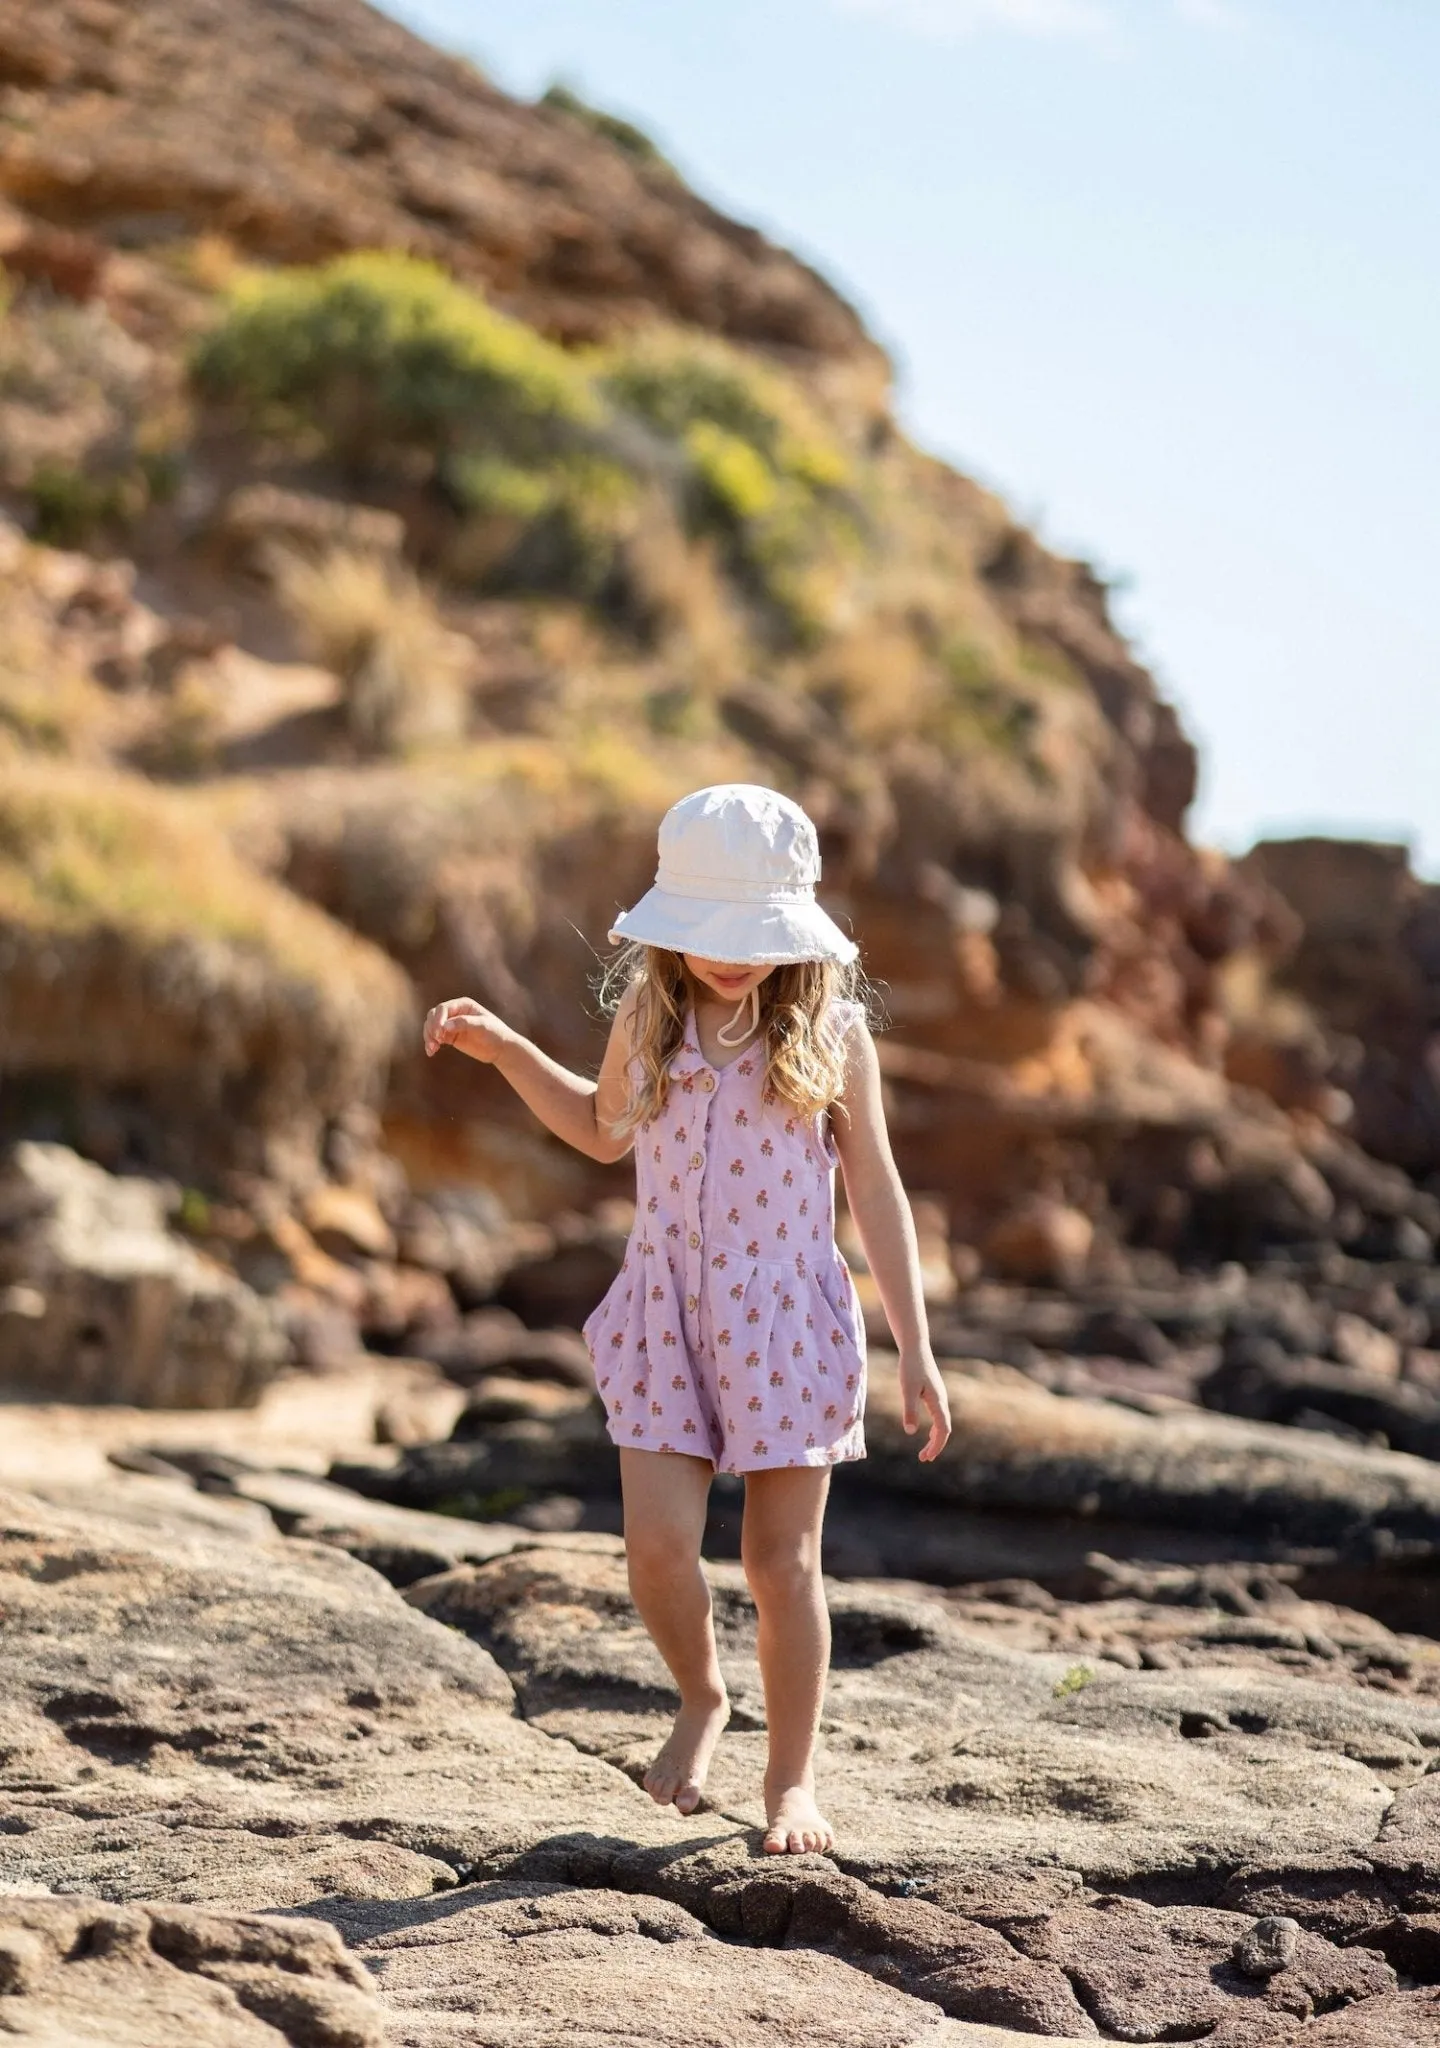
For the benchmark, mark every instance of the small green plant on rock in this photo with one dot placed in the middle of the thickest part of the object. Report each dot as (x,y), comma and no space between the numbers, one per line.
(1074,1680)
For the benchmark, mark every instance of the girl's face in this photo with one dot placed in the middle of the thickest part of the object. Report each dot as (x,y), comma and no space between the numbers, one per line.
(723,978)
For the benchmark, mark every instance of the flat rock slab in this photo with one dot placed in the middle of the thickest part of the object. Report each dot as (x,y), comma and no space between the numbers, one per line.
(257,1725)
(509,1965)
(191,1720)
(81,1974)
(942,1750)
(402,1544)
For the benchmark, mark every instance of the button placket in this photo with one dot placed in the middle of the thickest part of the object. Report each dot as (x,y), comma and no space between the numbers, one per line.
(694,1187)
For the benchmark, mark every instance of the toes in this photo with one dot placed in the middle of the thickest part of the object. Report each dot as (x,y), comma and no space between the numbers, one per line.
(688,1797)
(774,1843)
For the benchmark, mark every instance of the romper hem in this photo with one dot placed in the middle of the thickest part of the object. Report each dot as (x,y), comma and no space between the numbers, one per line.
(782,1461)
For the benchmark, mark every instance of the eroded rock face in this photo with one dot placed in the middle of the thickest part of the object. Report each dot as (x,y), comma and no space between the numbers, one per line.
(1018,1447)
(75,1971)
(102,1302)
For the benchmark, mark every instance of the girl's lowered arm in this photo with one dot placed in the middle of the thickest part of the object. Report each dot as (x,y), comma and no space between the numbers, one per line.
(887,1230)
(583,1113)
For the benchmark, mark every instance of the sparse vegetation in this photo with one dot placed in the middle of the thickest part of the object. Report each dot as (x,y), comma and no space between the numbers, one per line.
(381,363)
(633,141)
(761,474)
(48,703)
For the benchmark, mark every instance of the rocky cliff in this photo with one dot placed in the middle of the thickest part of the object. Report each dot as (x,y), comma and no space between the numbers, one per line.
(408,493)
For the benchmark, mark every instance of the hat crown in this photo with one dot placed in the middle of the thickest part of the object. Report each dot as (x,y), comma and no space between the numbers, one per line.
(738,840)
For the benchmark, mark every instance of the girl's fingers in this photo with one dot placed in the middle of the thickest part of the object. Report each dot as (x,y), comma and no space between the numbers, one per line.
(939,1408)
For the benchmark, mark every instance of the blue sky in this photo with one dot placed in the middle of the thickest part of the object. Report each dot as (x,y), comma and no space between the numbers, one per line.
(1162,271)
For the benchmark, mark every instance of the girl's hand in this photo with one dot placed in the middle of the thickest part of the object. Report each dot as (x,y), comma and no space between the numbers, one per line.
(922,1387)
(468,1026)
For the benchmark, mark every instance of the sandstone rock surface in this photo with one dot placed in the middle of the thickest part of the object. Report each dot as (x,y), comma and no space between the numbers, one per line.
(1017,1446)
(253,1726)
(517,1965)
(194,1720)
(79,1974)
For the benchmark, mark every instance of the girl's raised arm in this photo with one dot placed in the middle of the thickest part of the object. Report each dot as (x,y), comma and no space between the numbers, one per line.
(583,1113)
(882,1216)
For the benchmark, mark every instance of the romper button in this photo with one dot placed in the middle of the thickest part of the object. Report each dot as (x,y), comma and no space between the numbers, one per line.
(692,1302)
(696,1161)
(707,1082)
(694,1240)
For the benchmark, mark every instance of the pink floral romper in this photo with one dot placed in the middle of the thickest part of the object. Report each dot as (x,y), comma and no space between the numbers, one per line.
(731,1331)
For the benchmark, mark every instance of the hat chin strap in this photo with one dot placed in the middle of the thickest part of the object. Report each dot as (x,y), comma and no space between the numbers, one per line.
(750,1002)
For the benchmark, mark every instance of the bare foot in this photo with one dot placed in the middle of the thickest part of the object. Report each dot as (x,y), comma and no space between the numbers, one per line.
(677,1776)
(796,1823)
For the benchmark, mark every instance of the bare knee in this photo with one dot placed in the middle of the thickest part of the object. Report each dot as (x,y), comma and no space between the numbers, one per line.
(782,1574)
(657,1554)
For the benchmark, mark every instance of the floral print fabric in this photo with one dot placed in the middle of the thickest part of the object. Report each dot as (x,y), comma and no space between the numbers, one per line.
(731,1331)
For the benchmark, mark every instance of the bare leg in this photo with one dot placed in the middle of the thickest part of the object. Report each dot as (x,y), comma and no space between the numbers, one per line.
(665,1498)
(780,1546)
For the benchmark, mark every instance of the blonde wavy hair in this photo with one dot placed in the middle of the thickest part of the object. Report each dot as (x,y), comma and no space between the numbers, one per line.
(804,1053)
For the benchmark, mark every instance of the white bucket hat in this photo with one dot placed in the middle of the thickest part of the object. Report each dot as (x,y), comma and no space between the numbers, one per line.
(736,882)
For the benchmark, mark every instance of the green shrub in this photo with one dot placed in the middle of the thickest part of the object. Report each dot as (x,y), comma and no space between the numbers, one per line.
(762,476)
(675,383)
(379,354)
(737,483)
(379,361)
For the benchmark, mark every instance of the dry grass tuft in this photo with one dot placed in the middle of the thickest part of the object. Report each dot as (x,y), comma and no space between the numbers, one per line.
(373,624)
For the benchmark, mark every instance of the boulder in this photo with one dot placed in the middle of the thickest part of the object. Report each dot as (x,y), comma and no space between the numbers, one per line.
(1041,1242)
(347,1223)
(102,1302)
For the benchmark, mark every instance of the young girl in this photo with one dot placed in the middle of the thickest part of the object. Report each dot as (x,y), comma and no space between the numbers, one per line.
(741,1071)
